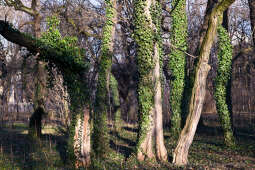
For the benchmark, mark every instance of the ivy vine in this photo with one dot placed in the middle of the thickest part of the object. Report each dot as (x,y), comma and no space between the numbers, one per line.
(100,136)
(223,76)
(177,62)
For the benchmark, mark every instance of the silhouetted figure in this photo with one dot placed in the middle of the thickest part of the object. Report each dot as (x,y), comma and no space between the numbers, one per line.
(35,124)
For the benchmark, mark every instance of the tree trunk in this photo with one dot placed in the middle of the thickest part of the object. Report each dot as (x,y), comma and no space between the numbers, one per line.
(177,64)
(82,140)
(221,82)
(252,17)
(161,152)
(100,133)
(76,86)
(147,20)
(192,61)
(180,155)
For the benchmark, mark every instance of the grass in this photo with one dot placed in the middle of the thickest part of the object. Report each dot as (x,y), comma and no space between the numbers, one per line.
(18,152)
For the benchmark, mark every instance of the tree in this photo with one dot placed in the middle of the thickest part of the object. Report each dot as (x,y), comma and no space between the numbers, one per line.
(180,155)
(63,54)
(40,85)
(147,36)
(221,82)
(100,131)
(252,17)
(177,63)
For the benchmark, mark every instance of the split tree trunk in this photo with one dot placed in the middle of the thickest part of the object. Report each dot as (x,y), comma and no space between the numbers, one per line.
(149,90)
(180,155)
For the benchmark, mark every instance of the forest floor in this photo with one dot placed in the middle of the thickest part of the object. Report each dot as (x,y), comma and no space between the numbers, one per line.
(18,152)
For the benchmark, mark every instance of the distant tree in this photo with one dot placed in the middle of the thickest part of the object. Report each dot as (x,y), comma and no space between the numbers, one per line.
(40,78)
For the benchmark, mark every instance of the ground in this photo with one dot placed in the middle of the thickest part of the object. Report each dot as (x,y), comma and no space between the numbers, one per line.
(18,152)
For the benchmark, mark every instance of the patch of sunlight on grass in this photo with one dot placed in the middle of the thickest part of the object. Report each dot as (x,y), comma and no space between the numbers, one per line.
(49,131)
(24,132)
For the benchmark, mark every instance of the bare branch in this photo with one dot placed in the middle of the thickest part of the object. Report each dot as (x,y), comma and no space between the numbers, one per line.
(18,5)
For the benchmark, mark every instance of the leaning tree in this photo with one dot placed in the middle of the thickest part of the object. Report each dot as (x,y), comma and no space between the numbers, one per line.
(180,155)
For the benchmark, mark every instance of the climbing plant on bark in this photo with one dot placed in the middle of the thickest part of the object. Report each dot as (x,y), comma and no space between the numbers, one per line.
(100,131)
(223,75)
(64,54)
(147,23)
(180,155)
(79,131)
(177,63)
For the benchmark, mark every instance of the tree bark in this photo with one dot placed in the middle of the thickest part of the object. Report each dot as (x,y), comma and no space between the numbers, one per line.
(252,17)
(82,140)
(53,55)
(225,52)
(180,155)
(100,133)
(149,90)
(161,152)
(177,62)
(36,46)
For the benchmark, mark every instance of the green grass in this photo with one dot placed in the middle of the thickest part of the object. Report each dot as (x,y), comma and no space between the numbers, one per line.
(18,152)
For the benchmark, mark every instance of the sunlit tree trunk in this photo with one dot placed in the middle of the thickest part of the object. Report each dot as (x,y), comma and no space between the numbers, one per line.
(81,143)
(176,64)
(221,82)
(100,130)
(147,24)
(180,155)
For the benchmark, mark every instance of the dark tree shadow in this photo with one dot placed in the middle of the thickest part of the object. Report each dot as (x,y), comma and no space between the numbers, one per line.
(126,151)
(61,145)
(128,141)
(135,130)
(20,148)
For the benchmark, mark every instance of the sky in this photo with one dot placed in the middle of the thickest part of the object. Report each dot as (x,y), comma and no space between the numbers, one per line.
(95,2)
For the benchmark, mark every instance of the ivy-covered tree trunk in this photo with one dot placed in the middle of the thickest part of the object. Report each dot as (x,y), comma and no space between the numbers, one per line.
(81,139)
(222,78)
(147,33)
(252,17)
(177,63)
(54,49)
(100,129)
(180,155)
